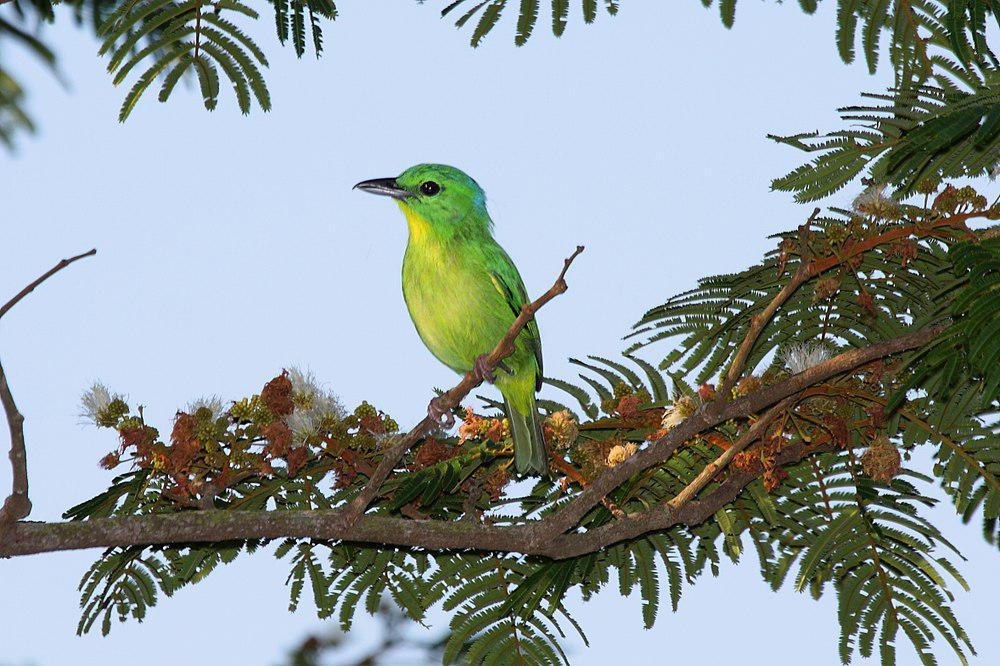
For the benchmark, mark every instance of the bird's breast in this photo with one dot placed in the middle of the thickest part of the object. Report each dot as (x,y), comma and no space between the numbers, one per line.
(453,304)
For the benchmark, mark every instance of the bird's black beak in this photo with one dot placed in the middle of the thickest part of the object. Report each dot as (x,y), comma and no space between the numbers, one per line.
(387,187)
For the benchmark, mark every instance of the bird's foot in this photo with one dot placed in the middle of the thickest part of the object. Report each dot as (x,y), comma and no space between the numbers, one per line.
(439,413)
(482,371)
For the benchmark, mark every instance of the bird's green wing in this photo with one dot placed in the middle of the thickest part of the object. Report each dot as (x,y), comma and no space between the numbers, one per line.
(511,287)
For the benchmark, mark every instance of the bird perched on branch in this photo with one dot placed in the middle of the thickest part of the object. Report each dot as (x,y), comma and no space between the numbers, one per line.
(464,292)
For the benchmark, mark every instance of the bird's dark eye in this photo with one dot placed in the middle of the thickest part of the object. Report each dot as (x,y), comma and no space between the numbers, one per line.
(430,188)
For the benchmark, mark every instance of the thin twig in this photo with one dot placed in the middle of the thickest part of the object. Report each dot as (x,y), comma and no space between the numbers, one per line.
(711,469)
(45,276)
(764,317)
(17,505)
(451,399)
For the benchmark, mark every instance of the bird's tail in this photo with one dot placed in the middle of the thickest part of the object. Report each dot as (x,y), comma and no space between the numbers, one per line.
(530,456)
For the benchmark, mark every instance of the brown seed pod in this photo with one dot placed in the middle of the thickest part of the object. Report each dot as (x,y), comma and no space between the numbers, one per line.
(882,460)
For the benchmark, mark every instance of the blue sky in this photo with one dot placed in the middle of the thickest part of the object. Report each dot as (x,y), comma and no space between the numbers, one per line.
(231,247)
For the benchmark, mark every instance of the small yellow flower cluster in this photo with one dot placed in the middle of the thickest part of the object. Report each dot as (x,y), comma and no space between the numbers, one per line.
(621,452)
(483,429)
(560,429)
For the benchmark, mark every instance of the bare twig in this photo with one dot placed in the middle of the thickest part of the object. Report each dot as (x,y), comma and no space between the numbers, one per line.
(451,399)
(42,278)
(17,505)
(764,317)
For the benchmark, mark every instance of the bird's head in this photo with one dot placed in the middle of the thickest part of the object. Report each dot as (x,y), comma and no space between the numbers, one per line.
(436,196)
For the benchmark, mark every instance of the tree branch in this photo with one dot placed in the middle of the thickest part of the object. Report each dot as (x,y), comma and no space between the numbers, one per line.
(720,463)
(544,538)
(17,505)
(454,397)
(712,414)
(810,269)
(26,538)
(42,278)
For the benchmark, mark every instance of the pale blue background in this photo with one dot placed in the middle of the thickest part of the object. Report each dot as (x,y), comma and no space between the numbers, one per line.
(230,247)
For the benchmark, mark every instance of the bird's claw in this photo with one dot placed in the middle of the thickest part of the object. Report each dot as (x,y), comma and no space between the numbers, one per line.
(482,371)
(439,413)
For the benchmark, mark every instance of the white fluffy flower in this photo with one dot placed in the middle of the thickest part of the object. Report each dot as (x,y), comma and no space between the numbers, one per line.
(873,194)
(682,408)
(801,356)
(303,382)
(313,406)
(95,402)
(211,403)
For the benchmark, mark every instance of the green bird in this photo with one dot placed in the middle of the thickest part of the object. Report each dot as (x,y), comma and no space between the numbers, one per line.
(463,293)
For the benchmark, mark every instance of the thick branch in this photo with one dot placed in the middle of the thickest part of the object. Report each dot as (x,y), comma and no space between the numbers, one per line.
(542,538)
(712,414)
(26,538)
(454,397)
(17,505)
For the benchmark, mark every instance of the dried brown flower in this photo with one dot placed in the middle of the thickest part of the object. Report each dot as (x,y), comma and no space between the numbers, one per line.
(748,385)
(772,478)
(296,460)
(184,428)
(277,395)
(110,461)
(867,304)
(432,452)
(826,288)
(838,431)
(882,460)
(279,438)
(905,249)
(495,483)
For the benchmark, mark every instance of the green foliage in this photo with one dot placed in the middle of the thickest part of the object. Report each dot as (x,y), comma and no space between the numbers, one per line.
(491,618)
(868,540)
(964,358)
(163,38)
(290,21)
(489,13)
(940,119)
(161,42)
(907,136)
(123,583)
(14,117)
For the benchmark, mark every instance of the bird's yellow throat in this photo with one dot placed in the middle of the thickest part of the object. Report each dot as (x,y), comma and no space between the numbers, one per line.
(417,224)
